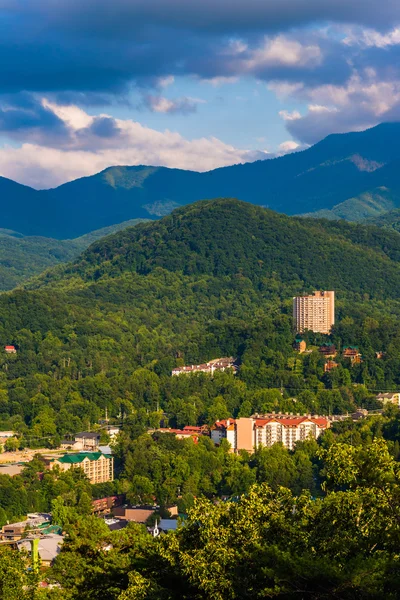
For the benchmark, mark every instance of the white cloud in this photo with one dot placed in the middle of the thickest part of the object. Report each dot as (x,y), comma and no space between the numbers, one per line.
(164,82)
(290,116)
(131,143)
(371,38)
(288,146)
(319,109)
(364,101)
(284,52)
(73,116)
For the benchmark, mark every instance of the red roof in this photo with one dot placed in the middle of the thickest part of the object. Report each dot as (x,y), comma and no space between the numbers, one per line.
(9,347)
(193,428)
(292,421)
(223,424)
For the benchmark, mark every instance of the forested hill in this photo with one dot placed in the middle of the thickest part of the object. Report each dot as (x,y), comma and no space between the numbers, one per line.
(212,279)
(389,220)
(230,238)
(22,257)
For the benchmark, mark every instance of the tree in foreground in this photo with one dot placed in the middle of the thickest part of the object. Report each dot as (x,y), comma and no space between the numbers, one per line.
(276,545)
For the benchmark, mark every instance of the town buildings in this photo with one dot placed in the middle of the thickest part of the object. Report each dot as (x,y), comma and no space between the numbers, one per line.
(48,547)
(389,398)
(98,467)
(189,431)
(105,505)
(315,312)
(88,441)
(10,350)
(84,440)
(16,531)
(7,434)
(218,364)
(265,430)
(225,429)
(140,514)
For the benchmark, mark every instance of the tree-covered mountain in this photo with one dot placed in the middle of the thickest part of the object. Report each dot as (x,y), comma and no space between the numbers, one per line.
(229,238)
(22,257)
(354,175)
(389,220)
(215,278)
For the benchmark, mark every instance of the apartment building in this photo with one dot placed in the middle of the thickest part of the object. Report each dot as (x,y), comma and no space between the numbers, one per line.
(218,364)
(287,429)
(265,430)
(98,467)
(315,312)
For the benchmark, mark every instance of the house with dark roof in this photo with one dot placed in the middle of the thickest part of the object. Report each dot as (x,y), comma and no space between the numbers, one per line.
(88,440)
(327,350)
(353,354)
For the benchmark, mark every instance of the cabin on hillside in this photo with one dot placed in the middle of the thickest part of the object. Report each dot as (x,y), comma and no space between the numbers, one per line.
(327,350)
(352,353)
(299,345)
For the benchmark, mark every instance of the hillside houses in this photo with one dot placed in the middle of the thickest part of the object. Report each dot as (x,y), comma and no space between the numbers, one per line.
(189,431)
(84,440)
(218,364)
(327,350)
(352,353)
(389,398)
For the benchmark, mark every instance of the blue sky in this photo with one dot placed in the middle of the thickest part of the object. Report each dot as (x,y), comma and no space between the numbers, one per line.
(196,84)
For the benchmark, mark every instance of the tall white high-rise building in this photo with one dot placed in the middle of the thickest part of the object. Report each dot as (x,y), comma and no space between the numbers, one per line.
(315,313)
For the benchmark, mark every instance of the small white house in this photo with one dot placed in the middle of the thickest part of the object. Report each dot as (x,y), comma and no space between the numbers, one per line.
(389,398)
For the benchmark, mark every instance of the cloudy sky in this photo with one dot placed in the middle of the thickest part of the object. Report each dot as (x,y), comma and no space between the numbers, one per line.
(195,84)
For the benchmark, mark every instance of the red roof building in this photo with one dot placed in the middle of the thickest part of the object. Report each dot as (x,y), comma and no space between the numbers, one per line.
(266,430)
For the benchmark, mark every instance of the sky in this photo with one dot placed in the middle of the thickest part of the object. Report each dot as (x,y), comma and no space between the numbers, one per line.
(192,84)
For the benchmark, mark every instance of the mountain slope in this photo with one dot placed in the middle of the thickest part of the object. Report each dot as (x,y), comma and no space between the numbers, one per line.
(23,257)
(366,205)
(337,170)
(215,278)
(389,220)
(228,238)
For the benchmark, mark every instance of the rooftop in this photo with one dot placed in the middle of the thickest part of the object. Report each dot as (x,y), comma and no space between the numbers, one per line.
(87,434)
(79,457)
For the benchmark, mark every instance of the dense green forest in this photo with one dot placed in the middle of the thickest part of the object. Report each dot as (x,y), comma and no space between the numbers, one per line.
(22,257)
(390,220)
(212,279)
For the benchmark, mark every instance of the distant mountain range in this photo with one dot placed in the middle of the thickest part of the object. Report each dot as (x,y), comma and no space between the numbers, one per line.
(352,176)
